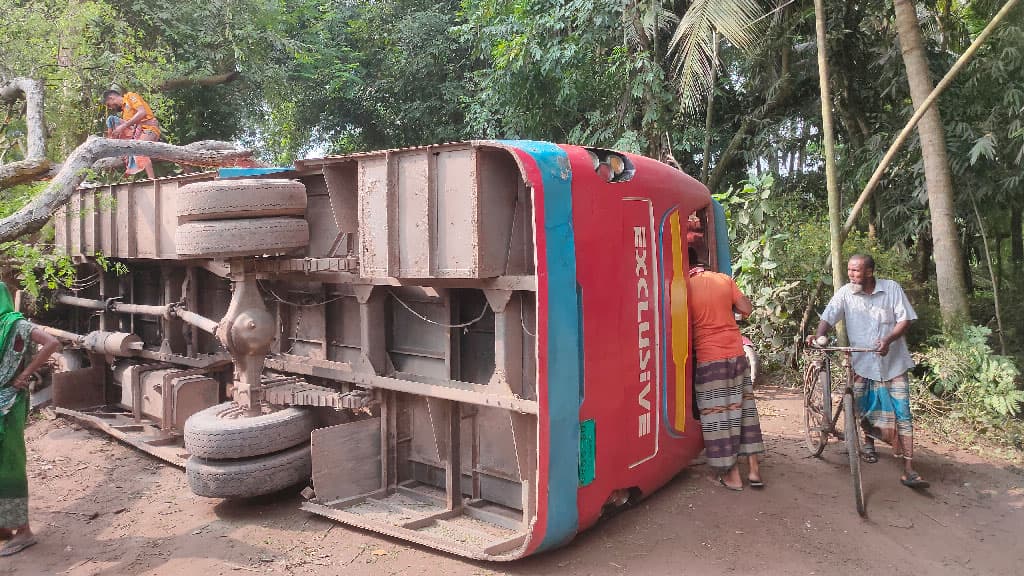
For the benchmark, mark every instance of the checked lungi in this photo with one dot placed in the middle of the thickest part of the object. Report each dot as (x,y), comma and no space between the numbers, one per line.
(728,415)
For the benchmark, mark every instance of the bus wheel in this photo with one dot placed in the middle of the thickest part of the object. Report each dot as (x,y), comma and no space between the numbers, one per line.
(242,237)
(229,199)
(249,477)
(225,431)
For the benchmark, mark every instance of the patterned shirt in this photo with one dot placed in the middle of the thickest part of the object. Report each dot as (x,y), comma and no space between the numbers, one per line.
(869,318)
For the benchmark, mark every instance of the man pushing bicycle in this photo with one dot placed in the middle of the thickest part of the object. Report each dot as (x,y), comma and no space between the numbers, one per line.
(877,314)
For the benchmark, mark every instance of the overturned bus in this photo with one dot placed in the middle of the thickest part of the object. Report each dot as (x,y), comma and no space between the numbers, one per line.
(480,347)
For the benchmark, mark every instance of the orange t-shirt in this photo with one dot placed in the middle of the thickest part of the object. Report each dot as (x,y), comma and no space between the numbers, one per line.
(712,296)
(132,104)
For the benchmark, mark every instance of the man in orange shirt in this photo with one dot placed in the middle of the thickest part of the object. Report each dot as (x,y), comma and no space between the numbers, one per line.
(137,122)
(721,377)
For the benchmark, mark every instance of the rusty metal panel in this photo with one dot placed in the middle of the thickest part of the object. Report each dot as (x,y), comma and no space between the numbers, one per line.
(415,346)
(346,459)
(83,388)
(89,221)
(123,212)
(60,225)
(166,216)
(456,238)
(499,181)
(413,204)
(342,185)
(74,215)
(145,215)
(323,227)
(497,447)
(343,330)
(426,446)
(107,217)
(374,217)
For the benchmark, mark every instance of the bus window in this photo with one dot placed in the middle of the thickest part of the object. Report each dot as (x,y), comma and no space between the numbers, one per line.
(698,233)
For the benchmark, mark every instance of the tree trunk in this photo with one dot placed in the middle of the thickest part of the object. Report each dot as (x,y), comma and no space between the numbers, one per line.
(37,212)
(35,162)
(949,261)
(835,222)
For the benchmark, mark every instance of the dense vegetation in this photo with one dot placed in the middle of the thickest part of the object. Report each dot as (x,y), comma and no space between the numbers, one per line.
(728,89)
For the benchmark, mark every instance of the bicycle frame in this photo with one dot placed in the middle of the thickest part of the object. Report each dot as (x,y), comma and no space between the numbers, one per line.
(817,437)
(830,419)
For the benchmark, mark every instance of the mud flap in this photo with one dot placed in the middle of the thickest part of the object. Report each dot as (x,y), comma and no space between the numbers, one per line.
(83,388)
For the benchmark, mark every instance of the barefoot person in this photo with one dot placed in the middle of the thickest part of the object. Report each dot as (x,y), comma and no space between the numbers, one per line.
(721,376)
(20,359)
(877,314)
(136,122)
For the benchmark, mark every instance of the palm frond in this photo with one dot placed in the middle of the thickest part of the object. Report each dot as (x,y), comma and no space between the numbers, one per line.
(692,49)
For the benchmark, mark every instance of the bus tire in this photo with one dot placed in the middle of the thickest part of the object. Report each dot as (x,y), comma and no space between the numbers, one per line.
(249,477)
(252,198)
(224,431)
(245,237)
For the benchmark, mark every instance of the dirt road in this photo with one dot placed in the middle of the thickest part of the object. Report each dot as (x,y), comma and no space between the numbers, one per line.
(102,508)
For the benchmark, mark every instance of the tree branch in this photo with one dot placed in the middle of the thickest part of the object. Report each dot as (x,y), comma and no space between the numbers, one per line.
(37,212)
(35,162)
(114,162)
(214,80)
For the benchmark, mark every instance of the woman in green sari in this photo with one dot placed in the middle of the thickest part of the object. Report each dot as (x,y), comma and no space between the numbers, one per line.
(19,359)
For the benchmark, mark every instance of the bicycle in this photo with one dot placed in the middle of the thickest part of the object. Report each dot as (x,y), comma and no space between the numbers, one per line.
(820,422)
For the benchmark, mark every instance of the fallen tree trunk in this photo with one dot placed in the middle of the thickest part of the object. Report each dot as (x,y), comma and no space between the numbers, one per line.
(114,163)
(35,163)
(37,212)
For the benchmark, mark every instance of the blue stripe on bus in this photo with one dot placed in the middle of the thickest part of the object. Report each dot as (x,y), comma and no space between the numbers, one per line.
(722,239)
(565,346)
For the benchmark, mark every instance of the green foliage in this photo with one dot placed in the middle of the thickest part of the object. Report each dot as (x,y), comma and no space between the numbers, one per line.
(569,71)
(965,382)
(39,269)
(778,258)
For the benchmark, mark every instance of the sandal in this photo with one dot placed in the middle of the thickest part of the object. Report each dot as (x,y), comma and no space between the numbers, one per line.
(756,484)
(868,454)
(914,480)
(13,547)
(721,482)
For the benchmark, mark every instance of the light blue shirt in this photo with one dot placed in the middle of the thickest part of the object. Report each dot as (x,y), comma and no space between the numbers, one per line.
(869,318)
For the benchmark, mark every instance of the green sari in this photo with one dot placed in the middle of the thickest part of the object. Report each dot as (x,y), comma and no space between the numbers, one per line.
(15,347)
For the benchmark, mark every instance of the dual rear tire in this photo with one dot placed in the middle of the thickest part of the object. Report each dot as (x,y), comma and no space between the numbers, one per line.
(234,455)
(230,218)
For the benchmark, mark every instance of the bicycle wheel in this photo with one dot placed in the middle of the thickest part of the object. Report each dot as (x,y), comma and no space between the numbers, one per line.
(853,447)
(817,407)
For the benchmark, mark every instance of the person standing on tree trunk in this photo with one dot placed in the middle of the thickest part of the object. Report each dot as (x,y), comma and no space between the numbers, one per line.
(721,376)
(877,314)
(136,122)
(20,359)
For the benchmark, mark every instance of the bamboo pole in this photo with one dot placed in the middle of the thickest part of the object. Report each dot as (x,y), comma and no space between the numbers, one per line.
(828,133)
